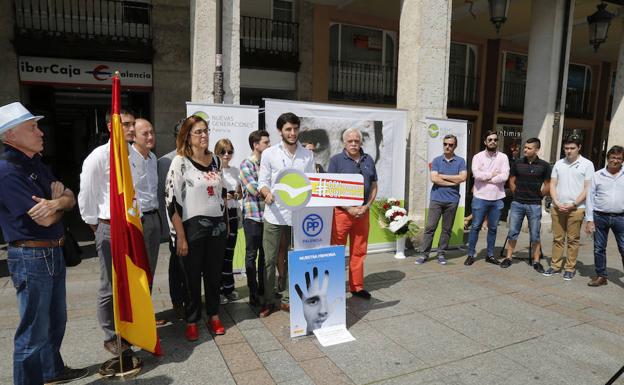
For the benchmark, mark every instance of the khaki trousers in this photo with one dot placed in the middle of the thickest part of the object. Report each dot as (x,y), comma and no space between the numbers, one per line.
(566,225)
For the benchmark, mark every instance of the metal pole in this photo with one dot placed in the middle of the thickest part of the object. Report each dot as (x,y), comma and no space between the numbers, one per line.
(218,73)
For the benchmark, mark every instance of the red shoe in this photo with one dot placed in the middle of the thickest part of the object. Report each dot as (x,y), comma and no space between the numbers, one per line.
(217,327)
(192,334)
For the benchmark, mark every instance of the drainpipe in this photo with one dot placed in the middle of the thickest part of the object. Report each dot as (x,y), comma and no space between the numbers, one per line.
(559,108)
(218,73)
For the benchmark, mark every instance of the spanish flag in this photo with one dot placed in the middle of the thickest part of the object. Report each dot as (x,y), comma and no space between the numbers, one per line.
(132,301)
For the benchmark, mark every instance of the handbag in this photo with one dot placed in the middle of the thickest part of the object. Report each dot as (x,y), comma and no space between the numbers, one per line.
(71,250)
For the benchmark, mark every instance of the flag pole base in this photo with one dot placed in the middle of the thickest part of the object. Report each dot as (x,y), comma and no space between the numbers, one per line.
(113,369)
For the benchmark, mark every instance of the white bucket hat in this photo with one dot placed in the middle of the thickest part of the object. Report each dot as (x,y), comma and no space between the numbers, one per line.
(13,114)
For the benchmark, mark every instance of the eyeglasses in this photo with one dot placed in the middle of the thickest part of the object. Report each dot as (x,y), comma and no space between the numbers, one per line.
(491,140)
(205,131)
(448,144)
(229,152)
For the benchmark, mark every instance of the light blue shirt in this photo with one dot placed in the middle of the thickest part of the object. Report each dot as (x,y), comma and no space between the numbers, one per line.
(605,194)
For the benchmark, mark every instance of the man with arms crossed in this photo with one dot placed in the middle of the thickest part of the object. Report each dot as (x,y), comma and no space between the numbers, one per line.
(605,210)
(448,171)
(32,203)
(569,184)
(529,182)
(289,153)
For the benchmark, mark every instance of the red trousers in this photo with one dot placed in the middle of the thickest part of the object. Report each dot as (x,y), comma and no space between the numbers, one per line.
(345,225)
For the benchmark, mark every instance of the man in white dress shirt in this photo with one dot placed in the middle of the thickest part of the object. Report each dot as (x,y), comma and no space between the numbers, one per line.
(143,165)
(277,219)
(94,204)
(605,210)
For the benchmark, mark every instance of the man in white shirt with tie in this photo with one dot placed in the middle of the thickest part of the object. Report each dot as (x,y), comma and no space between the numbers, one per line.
(94,204)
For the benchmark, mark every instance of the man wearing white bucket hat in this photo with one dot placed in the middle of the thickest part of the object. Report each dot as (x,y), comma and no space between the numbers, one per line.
(32,203)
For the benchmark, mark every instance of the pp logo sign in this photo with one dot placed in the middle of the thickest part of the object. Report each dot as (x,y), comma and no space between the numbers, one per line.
(312,225)
(292,188)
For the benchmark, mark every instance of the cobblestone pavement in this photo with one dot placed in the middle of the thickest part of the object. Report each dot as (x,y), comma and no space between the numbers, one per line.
(427,324)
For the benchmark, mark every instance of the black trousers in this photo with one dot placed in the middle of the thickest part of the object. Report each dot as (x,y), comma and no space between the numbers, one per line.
(227,276)
(177,284)
(204,261)
(253,249)
(437,209)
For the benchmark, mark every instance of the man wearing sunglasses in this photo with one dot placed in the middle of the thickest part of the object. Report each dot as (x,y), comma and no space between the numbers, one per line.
(490,169)
(448,171)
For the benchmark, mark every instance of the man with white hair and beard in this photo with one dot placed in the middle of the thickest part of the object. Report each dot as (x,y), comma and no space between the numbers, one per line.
(353,222)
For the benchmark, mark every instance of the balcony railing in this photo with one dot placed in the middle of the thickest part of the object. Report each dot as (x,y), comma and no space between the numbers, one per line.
(579,104)
(362,82)
(86,19)
(267,43)
(463,92)
(512,97)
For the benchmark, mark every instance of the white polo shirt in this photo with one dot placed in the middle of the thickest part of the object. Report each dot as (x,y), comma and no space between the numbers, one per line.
(274,159)
(571,178)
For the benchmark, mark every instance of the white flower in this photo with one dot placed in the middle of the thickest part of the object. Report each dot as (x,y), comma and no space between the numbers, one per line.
(398,223)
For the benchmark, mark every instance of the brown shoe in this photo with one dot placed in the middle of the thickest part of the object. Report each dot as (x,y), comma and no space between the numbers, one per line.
(285,307)
(597,281)
(266,311)
(161,322)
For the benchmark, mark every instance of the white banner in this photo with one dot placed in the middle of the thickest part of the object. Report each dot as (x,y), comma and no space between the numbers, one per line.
(47,70)
(437,129)
(384,136)
(233,122)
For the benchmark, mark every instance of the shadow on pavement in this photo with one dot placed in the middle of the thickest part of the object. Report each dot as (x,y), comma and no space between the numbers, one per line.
(358,308)
(613,275)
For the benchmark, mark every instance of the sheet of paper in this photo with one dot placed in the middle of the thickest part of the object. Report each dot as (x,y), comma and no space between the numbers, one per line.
(333,335)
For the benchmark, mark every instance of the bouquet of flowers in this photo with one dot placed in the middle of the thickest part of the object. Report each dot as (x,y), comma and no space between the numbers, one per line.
(393,217)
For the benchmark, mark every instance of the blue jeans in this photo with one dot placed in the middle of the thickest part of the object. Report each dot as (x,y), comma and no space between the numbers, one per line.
(603,223)
(38,275)
(480,209)
(517,212)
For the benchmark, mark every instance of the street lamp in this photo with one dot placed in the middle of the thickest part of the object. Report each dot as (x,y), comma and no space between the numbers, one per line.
(498,13)
(599,23)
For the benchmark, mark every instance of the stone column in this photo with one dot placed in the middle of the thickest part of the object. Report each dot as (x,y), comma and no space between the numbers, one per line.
(231,51)
(9,78)
(424,43)
(203,46)
(306,49)
(545,37)
(171,68)
(616,126)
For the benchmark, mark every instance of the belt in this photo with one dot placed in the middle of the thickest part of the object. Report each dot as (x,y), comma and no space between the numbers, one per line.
(609,214)
(39,243)
(155,211)
(105,221)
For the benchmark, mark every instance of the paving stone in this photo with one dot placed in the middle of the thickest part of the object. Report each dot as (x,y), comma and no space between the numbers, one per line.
(240,358)
(420,377)
(243,316)
(303,348)
(254,377)
(281,366)
(479,325)
(261,340)
(430,341)
(372,356)
(324,372)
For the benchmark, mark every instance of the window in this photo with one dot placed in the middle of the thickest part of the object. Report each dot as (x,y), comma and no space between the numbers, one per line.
(578,93)
(283,10)
(136,12)
(463,82)
(514,82)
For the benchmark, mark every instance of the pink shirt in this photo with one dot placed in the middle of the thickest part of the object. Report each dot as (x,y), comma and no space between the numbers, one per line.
(483,166)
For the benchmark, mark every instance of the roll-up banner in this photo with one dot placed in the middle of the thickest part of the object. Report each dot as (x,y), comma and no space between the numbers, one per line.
(384,134)
(436,130)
